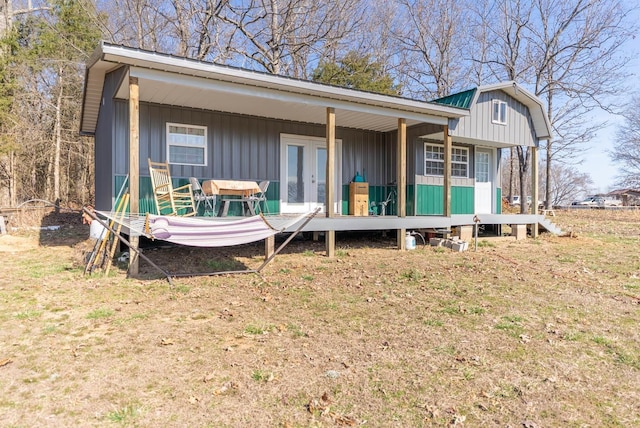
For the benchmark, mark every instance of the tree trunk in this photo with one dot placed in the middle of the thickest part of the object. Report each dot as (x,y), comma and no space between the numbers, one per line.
(523,168)
(548,176)
(512,155)
(13,198)
(58,140)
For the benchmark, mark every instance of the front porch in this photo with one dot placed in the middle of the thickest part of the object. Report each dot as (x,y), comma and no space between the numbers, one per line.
(350,223)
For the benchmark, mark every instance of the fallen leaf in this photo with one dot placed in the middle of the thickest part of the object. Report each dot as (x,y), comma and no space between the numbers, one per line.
(344,420)
(166,341)
(5,362)
(226,388)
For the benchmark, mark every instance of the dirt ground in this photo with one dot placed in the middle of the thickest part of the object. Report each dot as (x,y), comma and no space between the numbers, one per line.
(535,333)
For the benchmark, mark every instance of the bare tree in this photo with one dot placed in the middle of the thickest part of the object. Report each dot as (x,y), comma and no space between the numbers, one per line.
(431,35)
(626,151)
(572,51)
(505,55)
(576,55)
(568,184)
(287,37)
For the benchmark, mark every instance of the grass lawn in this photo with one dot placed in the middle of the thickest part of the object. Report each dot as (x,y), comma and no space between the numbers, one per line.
(534,333)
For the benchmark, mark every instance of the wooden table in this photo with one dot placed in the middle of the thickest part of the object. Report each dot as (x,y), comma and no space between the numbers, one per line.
(244,189)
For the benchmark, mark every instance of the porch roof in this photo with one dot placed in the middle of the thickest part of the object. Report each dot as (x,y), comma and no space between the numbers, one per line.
(171,80)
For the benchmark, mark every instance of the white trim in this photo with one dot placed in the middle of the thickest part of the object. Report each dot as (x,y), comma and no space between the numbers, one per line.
(204,85)
(204,144)
(501,118)
(492,180)
(170,72)
(309,143)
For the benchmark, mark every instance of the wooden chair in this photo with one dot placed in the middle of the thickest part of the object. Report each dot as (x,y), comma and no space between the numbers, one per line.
(169,200)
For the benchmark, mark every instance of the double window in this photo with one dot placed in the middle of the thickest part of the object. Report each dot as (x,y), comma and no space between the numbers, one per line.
(499,112)
(187,144)
(434,160)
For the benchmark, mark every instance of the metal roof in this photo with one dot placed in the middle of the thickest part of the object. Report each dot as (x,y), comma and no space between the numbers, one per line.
(459,100)
(171,80)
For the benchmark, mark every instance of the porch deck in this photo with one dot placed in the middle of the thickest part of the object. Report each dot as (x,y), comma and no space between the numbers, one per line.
(344,223)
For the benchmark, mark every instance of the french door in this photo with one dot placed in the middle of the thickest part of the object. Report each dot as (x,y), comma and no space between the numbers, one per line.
(303,173)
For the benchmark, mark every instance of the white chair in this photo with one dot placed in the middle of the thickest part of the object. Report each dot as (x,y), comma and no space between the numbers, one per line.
(257,198)
(199,196)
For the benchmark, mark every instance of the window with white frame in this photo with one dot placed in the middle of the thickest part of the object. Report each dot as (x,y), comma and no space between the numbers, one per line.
(187,144)
(499,112)
(434,160)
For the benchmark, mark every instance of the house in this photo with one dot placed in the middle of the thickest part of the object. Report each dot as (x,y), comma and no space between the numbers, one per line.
(308,139)
(627,197)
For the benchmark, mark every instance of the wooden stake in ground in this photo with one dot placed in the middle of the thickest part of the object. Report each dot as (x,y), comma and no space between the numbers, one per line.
(114,244)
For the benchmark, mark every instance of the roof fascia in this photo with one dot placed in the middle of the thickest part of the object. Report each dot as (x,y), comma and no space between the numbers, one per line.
(183,66)
(275,94)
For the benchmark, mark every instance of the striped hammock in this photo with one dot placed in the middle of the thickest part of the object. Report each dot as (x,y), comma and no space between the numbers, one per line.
(202,231)
(197,232)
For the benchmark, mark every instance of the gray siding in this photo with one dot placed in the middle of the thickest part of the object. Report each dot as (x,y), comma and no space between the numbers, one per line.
(244,147)
(105,158)
(478,125)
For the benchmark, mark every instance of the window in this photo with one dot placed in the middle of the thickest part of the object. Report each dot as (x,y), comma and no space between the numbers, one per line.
(499,112)
(187,144)
(434,160)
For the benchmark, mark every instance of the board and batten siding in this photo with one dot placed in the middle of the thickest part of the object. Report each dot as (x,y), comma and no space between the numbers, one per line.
(478,125)
(245,147)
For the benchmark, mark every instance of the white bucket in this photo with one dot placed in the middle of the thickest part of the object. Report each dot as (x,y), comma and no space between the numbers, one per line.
(410,242)
(96,230)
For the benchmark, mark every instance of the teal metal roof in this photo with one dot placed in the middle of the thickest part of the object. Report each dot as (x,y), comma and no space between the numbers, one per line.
(460,100)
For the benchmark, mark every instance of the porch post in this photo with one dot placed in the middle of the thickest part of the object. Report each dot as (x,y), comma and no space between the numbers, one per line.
(330,235)
(447,173)
(401,179)
(534,189)
(134,163)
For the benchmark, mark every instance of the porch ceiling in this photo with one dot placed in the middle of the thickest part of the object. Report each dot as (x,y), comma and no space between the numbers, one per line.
(207,94)
(169,80)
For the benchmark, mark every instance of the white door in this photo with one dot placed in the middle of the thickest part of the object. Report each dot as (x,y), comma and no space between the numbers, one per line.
(484,182)
(303,175)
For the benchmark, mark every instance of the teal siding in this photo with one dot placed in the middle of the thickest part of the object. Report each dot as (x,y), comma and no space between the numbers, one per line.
(430,200)
(462,200)
(147,204)
(345,199)
(377,194)
(498,201)
(411,197)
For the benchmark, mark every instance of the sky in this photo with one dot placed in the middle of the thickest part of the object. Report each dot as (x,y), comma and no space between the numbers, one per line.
(597,162)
